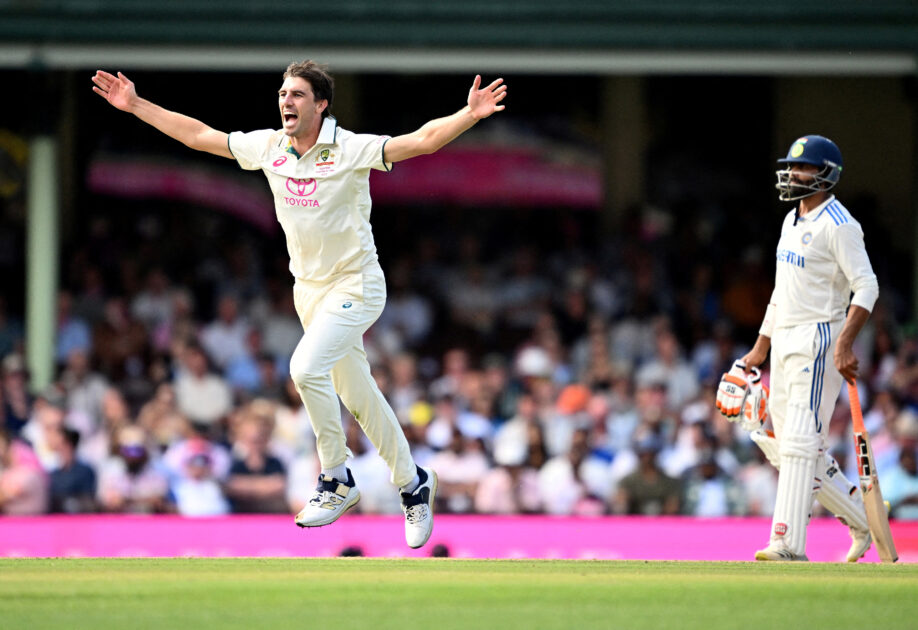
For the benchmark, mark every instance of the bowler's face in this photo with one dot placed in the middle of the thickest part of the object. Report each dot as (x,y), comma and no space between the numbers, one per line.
(298,107)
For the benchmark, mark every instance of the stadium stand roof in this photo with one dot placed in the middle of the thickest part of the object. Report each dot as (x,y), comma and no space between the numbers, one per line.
(200,29)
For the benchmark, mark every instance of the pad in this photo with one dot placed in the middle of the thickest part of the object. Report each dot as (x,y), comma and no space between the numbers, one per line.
(799,450)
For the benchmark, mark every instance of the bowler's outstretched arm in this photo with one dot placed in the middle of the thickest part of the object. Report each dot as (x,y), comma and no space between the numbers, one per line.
(438,133)
(120,93)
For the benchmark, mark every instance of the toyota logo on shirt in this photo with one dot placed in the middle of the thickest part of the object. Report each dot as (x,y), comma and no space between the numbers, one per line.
(301,187)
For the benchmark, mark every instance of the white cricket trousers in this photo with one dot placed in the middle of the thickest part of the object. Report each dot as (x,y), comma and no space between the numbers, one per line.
(330,359)
(803,376)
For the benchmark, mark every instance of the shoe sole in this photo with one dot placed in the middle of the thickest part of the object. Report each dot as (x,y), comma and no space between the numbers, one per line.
(338,514)
(761,556)
(430,504)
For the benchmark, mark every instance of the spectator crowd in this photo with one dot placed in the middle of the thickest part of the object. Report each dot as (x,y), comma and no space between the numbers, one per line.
(577,381)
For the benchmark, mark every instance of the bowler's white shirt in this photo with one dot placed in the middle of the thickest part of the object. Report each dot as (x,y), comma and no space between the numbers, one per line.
(820,261)
(322,199)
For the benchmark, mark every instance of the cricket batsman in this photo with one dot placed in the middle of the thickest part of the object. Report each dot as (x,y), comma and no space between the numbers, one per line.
(319,176)
(824,292)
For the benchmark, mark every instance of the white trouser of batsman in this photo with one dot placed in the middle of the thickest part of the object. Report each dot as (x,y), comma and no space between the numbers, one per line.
(836,493)
(330,359)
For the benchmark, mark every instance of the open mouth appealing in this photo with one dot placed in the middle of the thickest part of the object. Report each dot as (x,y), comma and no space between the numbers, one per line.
(290,117)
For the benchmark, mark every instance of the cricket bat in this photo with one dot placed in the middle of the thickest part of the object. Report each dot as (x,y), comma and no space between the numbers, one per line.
(877,518)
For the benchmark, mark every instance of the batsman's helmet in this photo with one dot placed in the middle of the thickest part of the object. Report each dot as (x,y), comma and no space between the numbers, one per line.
(815,150)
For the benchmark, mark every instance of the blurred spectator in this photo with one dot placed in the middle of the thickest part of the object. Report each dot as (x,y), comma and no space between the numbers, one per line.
(176,457)
(648,491)
(514,434)
(407,318)
(200,394)
(459,467)
(23,482)
(564,487)
(225,339)
(272,379)
(17,402)
(242,371)
(419,416)
(282,327)
(709,492)
(573,314)
(747,292)
(473,301)
(196,492)
(406,388)
(900,486)
(72,332)
(293,436)
(377,496)
(84,390)
(119,342)
(512,486)
(715,355)
(455,365)
(568,415)
(153,305)
(525,293)
(669,367)
(128,480)
(445,422)
(97,446)
(759,482)
(256,482)
(180,328)
(73,483)
(47,418)
(497,383)
(89,303)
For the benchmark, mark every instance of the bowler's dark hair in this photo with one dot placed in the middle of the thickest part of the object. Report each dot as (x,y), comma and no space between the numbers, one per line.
(322,83)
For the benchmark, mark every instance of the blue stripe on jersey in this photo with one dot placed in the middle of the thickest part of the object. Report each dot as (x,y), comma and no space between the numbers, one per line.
(836,213)
(819,370)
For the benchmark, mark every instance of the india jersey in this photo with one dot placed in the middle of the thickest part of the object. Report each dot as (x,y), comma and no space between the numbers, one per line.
(821,260)
(322,198)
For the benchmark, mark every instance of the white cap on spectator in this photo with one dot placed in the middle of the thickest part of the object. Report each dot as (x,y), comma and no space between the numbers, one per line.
(534,361)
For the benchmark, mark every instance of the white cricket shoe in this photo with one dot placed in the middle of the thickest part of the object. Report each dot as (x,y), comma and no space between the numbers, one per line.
(779,553)
(418,509)
(331,499)
(860,543)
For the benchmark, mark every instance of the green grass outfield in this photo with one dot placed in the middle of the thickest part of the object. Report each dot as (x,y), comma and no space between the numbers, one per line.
(440,594)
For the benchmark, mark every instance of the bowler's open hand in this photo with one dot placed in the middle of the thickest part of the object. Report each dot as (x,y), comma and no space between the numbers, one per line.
(484,101)
(117,90)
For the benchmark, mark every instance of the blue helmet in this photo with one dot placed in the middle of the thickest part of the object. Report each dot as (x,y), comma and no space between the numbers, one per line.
(815,150)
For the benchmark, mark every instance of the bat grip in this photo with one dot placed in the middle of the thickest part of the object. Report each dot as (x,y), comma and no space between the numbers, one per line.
(857,416)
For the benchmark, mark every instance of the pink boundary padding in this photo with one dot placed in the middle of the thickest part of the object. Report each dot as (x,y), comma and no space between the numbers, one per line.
(664,538)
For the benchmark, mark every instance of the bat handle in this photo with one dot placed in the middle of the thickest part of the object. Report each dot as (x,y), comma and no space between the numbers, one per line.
(857,416)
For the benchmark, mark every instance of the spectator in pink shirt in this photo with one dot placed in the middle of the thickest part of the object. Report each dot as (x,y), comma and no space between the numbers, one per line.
(23,482)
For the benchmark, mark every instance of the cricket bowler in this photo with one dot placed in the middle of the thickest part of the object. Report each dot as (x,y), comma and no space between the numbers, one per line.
(319,176)
(822,272)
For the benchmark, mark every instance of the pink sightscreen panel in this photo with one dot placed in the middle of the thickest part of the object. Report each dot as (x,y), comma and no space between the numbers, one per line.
(610,538)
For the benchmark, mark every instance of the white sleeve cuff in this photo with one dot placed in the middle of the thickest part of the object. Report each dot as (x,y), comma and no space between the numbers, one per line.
(866,296)
(768,324)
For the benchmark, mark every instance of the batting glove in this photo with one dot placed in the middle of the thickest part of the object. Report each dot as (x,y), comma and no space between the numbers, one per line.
(732,391)
(755,407)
